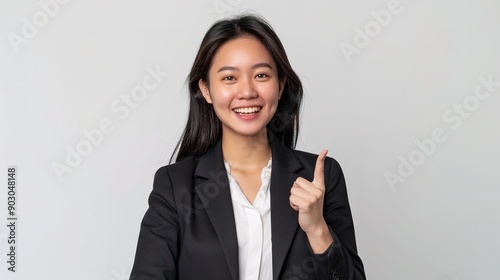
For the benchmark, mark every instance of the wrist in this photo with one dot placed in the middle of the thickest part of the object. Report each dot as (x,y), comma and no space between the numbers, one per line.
(320,238)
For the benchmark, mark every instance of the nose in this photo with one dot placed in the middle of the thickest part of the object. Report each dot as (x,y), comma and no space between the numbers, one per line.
(246,89)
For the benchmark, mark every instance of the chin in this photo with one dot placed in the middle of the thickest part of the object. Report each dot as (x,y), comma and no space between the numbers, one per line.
(250,132)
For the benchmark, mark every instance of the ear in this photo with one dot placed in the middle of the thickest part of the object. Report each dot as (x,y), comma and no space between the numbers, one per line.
(281,86)
(204,90)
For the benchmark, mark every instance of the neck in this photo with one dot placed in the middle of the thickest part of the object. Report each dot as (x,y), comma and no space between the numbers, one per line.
(246,152)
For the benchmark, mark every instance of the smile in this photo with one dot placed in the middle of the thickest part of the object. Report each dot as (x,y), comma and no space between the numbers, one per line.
(247,110)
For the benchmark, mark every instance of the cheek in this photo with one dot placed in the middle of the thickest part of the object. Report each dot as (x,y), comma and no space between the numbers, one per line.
(272,94)
(221,96)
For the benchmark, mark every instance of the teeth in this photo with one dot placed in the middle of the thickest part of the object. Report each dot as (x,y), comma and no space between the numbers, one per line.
(248,110)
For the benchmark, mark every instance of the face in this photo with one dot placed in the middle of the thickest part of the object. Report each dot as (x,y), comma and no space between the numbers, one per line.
(244,87)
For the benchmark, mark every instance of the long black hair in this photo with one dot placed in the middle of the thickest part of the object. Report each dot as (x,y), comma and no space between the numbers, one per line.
(203,128)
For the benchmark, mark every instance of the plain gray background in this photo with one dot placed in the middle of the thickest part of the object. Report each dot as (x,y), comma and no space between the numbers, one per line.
(399,85)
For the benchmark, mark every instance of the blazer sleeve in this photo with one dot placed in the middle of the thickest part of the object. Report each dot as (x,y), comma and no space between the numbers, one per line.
(340,261)
(158,244)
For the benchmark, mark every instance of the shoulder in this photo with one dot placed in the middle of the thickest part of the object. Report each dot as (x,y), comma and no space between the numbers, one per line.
(175,171)
(183,165)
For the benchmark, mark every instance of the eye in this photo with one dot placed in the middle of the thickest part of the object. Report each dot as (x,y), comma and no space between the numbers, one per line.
(228,78)
(261,76)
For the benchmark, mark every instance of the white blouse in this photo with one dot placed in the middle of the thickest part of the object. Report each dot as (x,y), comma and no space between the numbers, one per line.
(253,228)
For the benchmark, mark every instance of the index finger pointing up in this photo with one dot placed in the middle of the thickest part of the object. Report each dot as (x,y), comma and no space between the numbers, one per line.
(319,169)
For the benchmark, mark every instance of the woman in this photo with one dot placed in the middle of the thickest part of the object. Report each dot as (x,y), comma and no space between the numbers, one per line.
(240,202)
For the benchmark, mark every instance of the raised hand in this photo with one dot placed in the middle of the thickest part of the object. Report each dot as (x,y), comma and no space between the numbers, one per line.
(307,198)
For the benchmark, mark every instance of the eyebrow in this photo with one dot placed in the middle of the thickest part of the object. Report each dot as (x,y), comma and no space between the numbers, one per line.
(258,65)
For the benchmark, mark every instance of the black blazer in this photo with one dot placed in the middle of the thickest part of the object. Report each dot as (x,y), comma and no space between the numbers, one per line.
(188,231)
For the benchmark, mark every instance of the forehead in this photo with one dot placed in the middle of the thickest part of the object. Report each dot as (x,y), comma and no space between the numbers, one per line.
(242,52)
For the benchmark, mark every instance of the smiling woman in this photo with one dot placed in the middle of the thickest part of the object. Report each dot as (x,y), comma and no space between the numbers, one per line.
(240,202)
(244,87)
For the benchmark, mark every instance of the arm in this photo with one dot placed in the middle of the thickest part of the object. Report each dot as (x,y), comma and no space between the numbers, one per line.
(340,260)
(325,217)
(158,244)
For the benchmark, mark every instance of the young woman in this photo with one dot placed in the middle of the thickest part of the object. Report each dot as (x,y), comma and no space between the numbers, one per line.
(240,202)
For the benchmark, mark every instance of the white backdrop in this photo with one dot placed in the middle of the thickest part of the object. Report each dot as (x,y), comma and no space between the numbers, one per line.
(404,94)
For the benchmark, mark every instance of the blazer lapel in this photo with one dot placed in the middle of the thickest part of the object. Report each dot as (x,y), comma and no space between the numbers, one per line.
(284,218)
(211,184)
(211,178)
